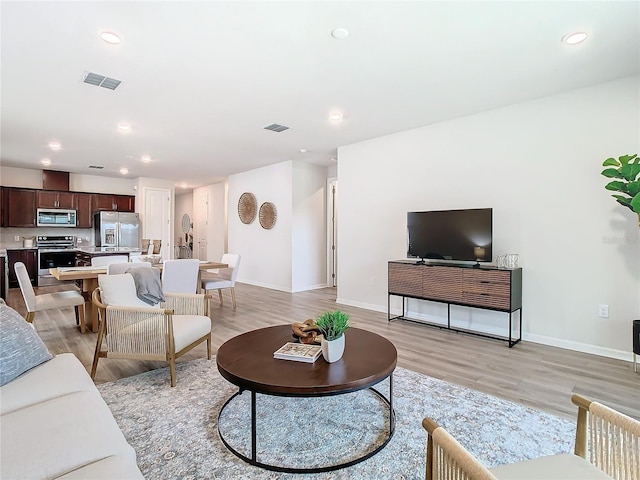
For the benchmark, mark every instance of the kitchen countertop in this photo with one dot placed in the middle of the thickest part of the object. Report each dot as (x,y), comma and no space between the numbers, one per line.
(107,250)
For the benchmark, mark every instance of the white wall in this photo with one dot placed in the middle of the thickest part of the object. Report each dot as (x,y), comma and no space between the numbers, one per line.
(209,220)
(309,237)
(265,254)
(538,165)
(32,178)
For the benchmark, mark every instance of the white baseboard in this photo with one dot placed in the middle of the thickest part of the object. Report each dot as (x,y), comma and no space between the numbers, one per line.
(578,347)
(526,337)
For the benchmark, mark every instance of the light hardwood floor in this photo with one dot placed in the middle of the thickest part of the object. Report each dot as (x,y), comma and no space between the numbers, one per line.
(534,375)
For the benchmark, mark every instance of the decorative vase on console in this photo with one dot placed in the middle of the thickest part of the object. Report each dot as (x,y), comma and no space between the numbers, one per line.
(332,326)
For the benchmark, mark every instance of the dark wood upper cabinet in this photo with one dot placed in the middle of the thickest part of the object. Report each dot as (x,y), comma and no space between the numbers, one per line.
(83,204)
(120,203)
(55,180)
(53,199)
(19,207)
(102,201)
(124,203)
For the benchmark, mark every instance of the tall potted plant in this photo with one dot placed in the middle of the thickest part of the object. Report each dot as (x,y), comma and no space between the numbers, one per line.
(625,174)
(332,325)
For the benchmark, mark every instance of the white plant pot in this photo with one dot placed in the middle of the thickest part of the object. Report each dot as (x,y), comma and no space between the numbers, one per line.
(332,350)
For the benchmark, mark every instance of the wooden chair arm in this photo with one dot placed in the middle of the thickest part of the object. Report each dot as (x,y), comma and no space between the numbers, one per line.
(582,428)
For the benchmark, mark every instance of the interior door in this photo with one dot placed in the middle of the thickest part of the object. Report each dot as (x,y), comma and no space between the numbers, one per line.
(156,223)
(200,225)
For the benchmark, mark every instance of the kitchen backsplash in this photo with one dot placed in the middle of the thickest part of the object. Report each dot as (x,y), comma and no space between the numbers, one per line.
(7,235)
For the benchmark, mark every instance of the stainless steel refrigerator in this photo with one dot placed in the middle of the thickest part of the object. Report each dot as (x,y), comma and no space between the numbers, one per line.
(116,229)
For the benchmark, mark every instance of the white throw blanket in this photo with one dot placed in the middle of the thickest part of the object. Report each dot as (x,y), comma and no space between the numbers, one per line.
(148,285)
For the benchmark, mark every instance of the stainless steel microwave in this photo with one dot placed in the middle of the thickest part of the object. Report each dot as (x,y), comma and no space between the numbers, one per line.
(53,217)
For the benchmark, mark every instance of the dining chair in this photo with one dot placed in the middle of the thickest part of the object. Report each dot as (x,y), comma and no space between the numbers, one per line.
(180,275)
(130,328)
(107,259)
(47,301)
(607,446)
(117,268)
(225,278)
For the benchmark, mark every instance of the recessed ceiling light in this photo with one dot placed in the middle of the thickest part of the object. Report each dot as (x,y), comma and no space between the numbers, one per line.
(334,159)
(339,33)
(574,38)
(303,150)
(335,116)
(124,171)
(183,185)
(110,37)
(145,158)
(55,146)
(124,128)
(46,162)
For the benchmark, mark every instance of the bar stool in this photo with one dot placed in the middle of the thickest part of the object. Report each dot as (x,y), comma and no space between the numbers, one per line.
(636,343)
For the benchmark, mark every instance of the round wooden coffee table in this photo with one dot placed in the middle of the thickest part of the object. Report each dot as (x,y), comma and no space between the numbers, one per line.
(247,361)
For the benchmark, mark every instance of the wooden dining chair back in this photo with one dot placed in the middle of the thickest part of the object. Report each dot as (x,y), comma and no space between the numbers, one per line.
(224,278)
(47,301)
(607,446)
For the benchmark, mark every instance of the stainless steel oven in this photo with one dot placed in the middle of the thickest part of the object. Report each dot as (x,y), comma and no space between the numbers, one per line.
(54,251)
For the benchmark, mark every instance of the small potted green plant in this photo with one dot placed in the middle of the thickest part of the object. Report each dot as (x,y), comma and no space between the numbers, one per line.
(625,174)
(332,326)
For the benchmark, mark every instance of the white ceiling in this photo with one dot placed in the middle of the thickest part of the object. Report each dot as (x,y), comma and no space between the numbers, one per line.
(202,79)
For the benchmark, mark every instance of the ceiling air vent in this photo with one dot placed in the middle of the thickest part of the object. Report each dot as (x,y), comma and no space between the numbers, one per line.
(97,167)
(101,81)
(274,127)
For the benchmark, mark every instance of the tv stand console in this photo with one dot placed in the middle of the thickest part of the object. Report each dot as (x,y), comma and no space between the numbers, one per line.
(489,288)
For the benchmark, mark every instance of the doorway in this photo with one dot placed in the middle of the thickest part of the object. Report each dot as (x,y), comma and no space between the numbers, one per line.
(157,214)
(332,232)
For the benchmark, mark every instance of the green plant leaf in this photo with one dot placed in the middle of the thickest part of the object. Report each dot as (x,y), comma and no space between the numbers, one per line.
(626,201)
(612,173)
(635,204)
(630,171)
(633,188)
(617,186)
(625,159)
(611,162)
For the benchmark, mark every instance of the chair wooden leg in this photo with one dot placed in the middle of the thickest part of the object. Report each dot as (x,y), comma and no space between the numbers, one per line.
(29,317)
(233,297)
(220,295)
(172,369)
(77,315)
(80,317)
(96,355)
(209,347)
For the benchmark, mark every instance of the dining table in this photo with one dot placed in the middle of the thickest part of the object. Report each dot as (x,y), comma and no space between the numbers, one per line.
(88,277)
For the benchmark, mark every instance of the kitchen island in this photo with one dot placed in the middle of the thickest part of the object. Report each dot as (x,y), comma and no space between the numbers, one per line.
(85,254)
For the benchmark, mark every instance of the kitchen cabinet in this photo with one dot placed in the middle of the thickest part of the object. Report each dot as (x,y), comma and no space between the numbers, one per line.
(83,206)
(30,259)
(120,203)
(18,207)
(55,199)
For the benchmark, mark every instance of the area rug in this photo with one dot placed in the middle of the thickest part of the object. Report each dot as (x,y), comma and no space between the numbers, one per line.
(174,431)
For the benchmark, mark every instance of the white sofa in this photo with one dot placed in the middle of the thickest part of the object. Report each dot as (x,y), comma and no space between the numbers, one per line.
(55,424)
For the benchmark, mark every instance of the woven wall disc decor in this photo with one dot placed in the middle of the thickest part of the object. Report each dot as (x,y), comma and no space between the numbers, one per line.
(268,215)
(247,207)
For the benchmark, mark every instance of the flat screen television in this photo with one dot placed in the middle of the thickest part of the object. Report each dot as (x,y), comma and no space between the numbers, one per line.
(460,235)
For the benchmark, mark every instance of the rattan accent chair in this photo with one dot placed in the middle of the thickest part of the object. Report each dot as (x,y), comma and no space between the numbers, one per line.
(129,329)
(607,446)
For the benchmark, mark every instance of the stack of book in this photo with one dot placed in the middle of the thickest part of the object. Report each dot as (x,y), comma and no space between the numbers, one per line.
(298,352)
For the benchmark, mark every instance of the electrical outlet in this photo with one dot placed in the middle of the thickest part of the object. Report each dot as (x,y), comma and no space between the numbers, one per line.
(372,281)
(603,311)
(16,238)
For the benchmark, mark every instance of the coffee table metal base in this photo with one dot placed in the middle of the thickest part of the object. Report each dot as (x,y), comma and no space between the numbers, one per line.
(277,468)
